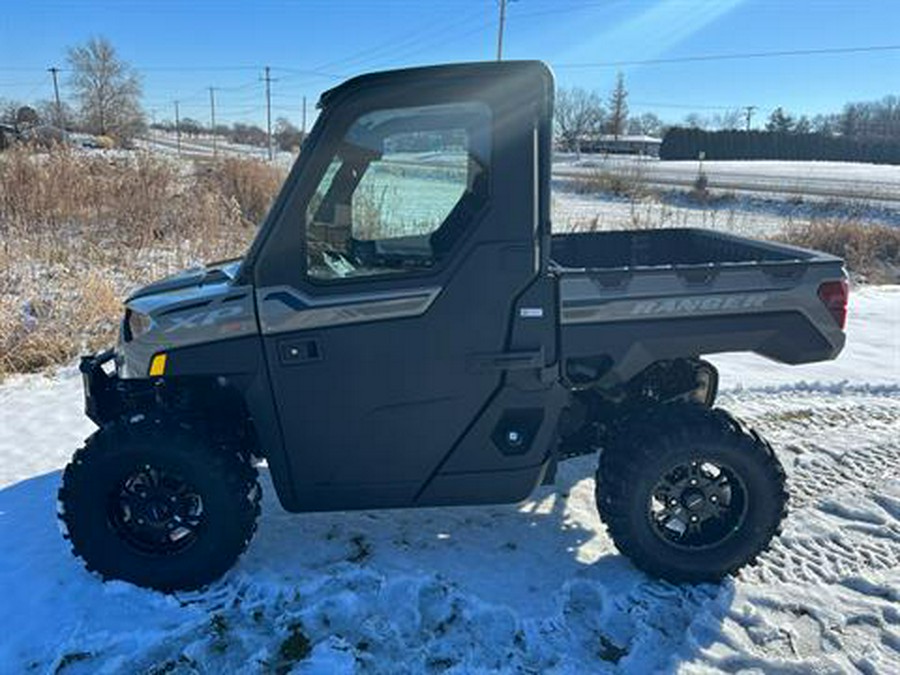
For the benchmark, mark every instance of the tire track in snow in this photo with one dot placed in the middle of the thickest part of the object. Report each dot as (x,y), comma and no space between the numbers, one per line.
(840,449)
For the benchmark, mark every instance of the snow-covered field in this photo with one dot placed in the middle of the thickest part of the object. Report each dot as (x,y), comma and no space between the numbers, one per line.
(202,147)
(571,211)
(737,214)
(847,180)
(531,588)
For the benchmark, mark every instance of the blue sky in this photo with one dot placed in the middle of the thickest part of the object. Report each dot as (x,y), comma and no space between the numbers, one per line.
(181,48)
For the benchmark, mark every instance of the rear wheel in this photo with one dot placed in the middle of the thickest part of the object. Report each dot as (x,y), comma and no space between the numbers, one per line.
(690,494)
(157,505)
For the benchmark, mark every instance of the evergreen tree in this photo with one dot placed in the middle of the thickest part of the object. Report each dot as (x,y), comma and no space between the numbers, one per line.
(780,121)
(618,108)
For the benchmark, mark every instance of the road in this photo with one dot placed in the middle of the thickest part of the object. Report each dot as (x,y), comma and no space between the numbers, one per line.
(819,179)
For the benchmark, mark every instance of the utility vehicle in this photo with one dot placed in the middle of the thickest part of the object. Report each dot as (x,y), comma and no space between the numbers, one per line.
(406,330)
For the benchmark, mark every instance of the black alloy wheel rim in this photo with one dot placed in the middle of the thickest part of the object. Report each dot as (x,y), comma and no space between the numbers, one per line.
(156,512)
(697,504)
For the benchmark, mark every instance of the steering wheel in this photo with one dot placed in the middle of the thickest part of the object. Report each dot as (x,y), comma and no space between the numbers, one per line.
(338,263)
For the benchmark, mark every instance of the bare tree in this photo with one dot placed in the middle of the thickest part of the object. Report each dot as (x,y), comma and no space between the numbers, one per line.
(107,88)
(803,125)
(730,120)
(62,117)
(618,108)
(8,110)
(26,116)
(871,119)
(696,121)
(647,124)
(578,113)
(190,126)
(287,136)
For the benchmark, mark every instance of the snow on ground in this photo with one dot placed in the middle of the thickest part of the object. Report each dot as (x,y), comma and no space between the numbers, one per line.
(201,147)
(887,174)
(745,215)
(536,587)
(571,211)
(828,179)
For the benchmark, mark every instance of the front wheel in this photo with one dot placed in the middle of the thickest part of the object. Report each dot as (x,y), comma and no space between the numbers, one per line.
(689,494)
(158,505)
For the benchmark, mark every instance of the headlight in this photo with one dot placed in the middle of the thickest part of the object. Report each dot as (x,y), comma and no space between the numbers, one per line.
(136,324)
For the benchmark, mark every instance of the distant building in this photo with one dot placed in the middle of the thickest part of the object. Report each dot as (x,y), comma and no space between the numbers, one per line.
(622,145)
(8,134)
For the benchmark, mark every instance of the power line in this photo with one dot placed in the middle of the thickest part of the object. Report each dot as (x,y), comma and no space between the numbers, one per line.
(482,26)
(21,83)
(310,72)
(240,87)
(685,106)
(399,41)
(733,57)
(195,69)
(415,41)
(388,46)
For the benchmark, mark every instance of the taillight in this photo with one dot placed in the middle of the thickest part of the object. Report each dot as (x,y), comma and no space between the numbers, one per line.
(834,295)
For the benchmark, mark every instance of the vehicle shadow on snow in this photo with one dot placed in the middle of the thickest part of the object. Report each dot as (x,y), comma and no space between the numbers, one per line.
(536,585)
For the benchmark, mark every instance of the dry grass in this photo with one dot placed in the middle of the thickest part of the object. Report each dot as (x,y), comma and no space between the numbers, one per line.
(871,252)
(629,182)
(79,231)
(248,184)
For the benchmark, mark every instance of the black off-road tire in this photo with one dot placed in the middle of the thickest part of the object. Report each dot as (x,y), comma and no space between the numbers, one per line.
(647,448)
(224,479)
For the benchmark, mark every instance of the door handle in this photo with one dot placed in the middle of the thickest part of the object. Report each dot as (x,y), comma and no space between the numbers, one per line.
(299,351)
(519,360)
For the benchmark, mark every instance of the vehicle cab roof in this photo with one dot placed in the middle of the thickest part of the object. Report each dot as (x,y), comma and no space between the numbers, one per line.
(477,73)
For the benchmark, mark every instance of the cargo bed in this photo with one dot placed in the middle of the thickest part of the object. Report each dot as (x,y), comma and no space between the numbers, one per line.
(671,248)
(635,297)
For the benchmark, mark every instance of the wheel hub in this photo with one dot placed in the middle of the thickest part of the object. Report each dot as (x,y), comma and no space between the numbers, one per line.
(693,499)
(697,504)
(155,511)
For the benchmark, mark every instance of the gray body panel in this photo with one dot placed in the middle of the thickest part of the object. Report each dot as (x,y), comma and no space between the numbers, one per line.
(284,309)
(594,303)
(184,311)
(732,304)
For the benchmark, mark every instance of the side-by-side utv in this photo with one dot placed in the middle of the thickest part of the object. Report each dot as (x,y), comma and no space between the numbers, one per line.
(407,330)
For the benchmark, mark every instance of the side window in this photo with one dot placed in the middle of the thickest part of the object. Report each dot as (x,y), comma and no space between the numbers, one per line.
(403,186)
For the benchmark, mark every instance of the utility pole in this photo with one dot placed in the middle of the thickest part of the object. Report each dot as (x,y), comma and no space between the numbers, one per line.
(268,81)
(212,119)
(500,29)
(303,124)
(54,71)
(748,114)
(177,130)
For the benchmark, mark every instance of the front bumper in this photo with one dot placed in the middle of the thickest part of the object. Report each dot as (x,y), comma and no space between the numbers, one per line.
(104,392)
(100,396)
(108,396)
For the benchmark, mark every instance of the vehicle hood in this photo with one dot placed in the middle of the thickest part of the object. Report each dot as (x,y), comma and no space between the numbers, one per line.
(214,273)
(197,306)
